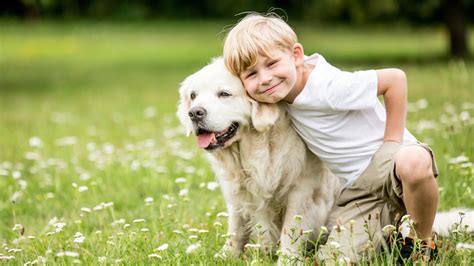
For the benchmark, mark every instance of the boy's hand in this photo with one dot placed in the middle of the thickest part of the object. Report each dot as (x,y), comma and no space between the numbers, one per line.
(392,84)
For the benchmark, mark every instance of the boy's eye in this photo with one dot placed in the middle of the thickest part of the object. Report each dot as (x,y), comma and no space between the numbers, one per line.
(193,95)
(250,74)
(271,63)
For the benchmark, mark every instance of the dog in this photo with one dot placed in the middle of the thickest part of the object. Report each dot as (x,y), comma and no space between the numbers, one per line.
(269,179)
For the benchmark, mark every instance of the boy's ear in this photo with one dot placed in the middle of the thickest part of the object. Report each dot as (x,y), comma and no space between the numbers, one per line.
(298,52)
(264,115)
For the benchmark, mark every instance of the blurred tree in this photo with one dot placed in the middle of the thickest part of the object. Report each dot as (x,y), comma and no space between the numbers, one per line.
(455,19)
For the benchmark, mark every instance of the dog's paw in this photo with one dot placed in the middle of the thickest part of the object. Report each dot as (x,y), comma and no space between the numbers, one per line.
(228,250)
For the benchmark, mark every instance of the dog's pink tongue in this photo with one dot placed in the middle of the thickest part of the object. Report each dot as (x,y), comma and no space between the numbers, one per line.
(205,140)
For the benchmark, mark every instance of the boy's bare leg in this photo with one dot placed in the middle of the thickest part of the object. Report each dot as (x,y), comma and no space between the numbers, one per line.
(420,189)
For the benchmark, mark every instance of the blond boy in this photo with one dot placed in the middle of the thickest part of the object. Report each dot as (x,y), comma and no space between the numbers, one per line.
(385,171)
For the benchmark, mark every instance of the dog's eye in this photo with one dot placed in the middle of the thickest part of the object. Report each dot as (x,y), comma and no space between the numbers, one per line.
(193,95)
(224,94)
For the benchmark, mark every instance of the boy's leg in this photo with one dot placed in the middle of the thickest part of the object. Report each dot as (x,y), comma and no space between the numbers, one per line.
(363,209)
(414,167)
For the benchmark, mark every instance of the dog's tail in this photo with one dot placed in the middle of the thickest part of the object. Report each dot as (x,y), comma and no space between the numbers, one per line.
(456,219)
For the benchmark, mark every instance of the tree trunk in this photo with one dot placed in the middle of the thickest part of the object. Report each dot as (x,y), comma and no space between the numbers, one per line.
(455,20)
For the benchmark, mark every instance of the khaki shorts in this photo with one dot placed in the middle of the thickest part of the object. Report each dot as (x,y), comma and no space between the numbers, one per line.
(373,201)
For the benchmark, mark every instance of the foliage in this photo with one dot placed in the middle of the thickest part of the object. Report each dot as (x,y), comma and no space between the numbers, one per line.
(322,11)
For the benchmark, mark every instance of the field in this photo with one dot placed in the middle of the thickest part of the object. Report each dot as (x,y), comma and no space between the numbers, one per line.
(95,169)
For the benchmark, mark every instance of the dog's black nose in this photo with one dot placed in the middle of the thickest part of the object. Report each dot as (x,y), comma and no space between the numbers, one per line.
(197,113)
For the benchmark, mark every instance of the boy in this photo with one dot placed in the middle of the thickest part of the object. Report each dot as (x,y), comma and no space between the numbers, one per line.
(385,172)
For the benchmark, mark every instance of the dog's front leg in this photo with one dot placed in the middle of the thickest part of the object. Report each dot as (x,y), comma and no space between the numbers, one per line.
(305,214)
(237,231)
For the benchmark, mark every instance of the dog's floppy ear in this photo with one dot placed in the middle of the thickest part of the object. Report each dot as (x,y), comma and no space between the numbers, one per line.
(264,115)
(183,108)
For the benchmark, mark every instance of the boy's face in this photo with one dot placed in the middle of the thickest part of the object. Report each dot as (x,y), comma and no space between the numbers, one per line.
(272,78)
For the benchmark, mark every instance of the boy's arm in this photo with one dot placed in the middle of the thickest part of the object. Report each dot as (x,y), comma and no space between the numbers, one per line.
(392,84)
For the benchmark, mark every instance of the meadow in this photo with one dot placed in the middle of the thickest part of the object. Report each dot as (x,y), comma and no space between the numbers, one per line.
(95,168)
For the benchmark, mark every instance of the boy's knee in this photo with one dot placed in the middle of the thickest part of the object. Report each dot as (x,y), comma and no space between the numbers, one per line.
(413,165)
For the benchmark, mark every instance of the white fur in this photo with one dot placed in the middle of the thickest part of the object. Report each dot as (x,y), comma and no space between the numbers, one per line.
(451,220)
(267,174)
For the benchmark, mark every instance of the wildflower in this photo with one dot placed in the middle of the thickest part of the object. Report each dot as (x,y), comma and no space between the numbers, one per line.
(66,141)
(458,159)
(144,230)
(212,185)
(150,112)
(388,229)
(249,245)
(119,221)
(16,196)
(19,228)
(343,260)
(35,142)
(217,224)
(180,180)
(297,218)
(72,254)
(148,201)
(162,247)
(102,260)
(82,188)
(177,232)
(191,237)
(334,245)
(156,256)
(138,221)
(84,209)
(33,156)
(422,103)
(79,238)
(6,258)
(192,248)
(222,214)
(323,229)
(202,231)
(183,192)
(465,246)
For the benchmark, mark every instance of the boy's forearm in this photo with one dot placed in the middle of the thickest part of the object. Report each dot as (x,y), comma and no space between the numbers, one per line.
(395,103)
(393,87)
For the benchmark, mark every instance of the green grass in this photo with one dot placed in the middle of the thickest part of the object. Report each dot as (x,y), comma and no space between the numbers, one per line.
(112,89)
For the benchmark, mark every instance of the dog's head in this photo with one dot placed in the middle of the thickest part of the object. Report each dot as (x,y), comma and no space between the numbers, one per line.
(215,107)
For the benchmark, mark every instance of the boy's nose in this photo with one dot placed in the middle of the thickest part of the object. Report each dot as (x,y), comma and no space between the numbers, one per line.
(265,78)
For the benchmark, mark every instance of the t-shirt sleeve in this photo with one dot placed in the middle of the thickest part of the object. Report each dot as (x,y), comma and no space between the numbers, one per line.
(346,91)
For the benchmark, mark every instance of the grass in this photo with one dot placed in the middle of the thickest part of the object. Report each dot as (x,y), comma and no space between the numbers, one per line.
(94,167)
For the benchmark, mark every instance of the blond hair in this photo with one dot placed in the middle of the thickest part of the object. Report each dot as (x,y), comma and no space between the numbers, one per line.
(255,35)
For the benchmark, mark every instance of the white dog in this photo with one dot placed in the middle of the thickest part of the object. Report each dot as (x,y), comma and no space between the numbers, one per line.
(267,175)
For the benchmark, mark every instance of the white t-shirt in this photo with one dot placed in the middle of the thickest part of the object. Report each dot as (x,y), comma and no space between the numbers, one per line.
(340,118)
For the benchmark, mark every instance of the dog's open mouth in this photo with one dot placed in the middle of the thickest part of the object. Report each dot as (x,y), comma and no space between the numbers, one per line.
(210,140)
